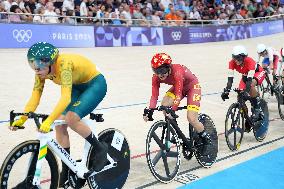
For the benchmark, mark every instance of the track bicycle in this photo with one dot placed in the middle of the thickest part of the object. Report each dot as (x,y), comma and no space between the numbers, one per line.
(164,142)
(267,89)
(238,120)
(43,151)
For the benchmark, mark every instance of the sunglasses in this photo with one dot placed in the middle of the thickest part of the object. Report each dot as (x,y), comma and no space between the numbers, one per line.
(161,70)
(262,53)
(238,57)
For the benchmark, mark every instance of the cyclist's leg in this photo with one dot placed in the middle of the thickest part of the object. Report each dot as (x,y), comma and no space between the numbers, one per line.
(277,65)
(258,78)
(169,98)
(255,101)
(62,137)
(276,69)
(242,86)
(92,94)
(193,106)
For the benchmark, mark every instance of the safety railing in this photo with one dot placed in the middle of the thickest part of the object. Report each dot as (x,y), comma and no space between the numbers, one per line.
(81,20)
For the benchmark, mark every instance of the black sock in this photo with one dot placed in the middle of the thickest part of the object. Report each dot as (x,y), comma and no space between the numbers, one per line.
(92,139)
(64,166)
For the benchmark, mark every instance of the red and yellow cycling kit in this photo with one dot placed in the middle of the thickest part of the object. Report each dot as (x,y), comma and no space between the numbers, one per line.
(69,70)
(184,83)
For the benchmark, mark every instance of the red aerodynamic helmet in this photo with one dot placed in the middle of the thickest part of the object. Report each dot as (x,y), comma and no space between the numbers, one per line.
(160,59)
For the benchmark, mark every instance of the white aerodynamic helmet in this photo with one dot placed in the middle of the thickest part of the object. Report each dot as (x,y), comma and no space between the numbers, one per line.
(260,48)
(239,50)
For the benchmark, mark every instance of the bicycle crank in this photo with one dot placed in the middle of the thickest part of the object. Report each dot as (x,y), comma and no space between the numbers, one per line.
(74,181)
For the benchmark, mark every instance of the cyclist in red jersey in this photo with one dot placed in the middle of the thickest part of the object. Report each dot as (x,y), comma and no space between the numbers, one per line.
(252,75)
(184,84)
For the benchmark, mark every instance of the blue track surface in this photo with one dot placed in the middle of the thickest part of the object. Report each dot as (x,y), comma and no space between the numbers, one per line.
(263,172)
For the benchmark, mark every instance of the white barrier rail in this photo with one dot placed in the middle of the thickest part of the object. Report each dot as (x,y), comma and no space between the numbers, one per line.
(80,20)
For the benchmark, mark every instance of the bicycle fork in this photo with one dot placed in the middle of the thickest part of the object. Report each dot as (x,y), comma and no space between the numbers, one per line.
(46,140)
(41,155)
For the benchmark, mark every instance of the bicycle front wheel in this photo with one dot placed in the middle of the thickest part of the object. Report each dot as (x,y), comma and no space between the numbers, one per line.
(19,167)
(163,156)
(234,127)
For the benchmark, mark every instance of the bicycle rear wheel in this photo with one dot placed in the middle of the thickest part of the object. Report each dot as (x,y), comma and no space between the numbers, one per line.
(118,149)
(14,175)
(208,160)
(260,131)
(234,127)
(163,157)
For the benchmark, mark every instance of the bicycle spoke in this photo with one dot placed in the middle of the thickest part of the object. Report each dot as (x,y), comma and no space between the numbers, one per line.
(157,157)
(233,114)
(235,138)
(32,165)
(240,119)
(159,142)
(166,165)
(172,154)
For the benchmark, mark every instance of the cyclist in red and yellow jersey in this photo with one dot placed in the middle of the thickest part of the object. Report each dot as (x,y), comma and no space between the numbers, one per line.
(83,87)
(184,84)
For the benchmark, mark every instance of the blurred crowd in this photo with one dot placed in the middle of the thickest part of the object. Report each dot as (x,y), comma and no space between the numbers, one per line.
(137,12)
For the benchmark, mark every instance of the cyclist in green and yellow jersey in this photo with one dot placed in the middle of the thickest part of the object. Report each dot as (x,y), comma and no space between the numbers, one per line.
(83,87)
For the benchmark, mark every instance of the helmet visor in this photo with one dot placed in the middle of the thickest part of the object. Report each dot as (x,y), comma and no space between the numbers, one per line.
(38,64)
(161,70)
(238,58)
(262,53)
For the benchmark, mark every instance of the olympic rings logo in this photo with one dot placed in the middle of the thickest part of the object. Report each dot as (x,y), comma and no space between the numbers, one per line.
(22,35)
(176,35)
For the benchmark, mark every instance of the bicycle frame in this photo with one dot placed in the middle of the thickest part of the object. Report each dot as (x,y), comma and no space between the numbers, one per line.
(243,109)
(267,79)
(180,134)
(78,168)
